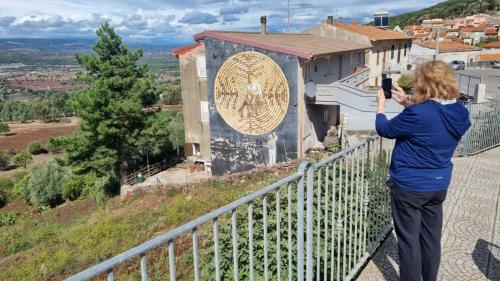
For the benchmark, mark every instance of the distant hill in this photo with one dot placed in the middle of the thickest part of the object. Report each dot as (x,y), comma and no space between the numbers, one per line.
(447,10)
(68,45)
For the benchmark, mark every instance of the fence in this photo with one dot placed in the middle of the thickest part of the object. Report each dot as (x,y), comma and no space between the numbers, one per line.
(484,132)
(356,79)
(149,170)
(325,220)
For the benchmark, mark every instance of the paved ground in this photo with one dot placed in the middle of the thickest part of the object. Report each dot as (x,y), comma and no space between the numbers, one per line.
(471,238)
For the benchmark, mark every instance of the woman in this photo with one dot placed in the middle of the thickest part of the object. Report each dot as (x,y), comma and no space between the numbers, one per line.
(427,133)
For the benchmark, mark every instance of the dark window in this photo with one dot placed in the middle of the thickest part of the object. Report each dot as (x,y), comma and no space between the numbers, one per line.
(378,56)
(385,21)
(399,53)
(315,68)
(406,46)
(392,52)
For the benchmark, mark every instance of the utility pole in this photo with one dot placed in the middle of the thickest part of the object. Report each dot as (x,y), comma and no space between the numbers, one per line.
(437,42)
(288,16)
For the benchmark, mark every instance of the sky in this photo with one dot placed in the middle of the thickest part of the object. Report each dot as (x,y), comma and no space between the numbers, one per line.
(175,21)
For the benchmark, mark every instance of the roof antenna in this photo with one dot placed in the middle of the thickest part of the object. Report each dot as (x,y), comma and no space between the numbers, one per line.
(288,16)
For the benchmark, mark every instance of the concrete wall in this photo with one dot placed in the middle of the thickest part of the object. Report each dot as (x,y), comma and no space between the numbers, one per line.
(194,92)
(490,50)
(381,50)
(421,54)
(231,150)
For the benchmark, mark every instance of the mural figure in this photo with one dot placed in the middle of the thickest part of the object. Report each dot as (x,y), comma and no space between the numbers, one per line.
(253,99)
(272,139)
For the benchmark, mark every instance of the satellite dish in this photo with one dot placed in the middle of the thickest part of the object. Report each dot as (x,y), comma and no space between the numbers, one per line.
(310,89)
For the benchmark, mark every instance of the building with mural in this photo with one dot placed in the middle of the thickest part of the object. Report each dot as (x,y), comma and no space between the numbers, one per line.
(253,99)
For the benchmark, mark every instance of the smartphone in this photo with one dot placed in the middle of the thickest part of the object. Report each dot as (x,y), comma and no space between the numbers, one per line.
(387,87)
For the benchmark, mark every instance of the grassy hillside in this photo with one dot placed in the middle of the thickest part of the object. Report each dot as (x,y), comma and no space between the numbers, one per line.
(448,9)
(64,240)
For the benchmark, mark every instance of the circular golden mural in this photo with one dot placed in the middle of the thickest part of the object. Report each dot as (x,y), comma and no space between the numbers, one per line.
(251,93)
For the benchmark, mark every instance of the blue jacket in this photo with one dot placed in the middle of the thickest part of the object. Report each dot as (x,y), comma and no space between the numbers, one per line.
(427,135)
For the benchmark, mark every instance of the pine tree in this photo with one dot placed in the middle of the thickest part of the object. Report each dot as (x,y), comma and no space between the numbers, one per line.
(110,107)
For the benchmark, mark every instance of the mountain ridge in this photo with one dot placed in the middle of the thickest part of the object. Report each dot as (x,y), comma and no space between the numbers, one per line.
(447,10)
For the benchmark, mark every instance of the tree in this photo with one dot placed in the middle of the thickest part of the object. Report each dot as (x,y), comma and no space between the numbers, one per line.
(176,132)
(4,128)
(45,184)
(23,158)
(405,82)
(35,148)
(4,160)
(110,107)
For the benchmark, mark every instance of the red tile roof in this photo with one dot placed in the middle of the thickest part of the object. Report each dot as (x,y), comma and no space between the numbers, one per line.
(185,49)
(449,46)
(302,45)
(489,57)
(490,31)
(495,44)
(374,33)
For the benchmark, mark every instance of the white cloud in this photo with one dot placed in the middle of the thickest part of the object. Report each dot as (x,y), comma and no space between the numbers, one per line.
(176,19)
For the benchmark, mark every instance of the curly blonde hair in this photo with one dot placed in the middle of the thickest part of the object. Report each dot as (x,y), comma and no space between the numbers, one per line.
(434,79)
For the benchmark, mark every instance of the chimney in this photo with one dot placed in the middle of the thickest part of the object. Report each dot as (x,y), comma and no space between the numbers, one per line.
(329,20)
(354,22)
(263,28)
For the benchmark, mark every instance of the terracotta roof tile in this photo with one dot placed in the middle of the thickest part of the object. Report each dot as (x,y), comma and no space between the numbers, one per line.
(302,45)
(420,35)
(490,31)
(495,44)
(448,46)
(489,57)
(185,49)
(374,33)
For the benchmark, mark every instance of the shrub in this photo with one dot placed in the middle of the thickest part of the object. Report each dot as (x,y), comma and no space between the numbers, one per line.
(55,145)
(4,128)
(405,82)
(4,197)
(21,188)
(4,160)
(23,158)
(6,183)
(8,218)
(35,148)
(45,184)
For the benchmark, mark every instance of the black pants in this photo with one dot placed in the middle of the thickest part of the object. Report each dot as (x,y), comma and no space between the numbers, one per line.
(418,220)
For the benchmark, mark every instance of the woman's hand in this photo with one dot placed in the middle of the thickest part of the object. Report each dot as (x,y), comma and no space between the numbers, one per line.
(380,101)
(400,96)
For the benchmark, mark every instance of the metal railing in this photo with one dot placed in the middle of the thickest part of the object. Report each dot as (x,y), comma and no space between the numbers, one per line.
(484,132)
(325,220)
(467,83)
(149,170)
(356,79)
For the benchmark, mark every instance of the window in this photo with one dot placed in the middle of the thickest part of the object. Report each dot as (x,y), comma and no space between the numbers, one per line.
(392,52)
(376,81)
(315,68)
(307,72)
(201,67)
(359,59)
(399,53)
(204,111)
(378,57)
(406,46)
(196,149)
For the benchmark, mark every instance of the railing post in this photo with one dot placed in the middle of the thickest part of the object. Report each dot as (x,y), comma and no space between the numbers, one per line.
(466,136)
(309,226)
(300,221)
